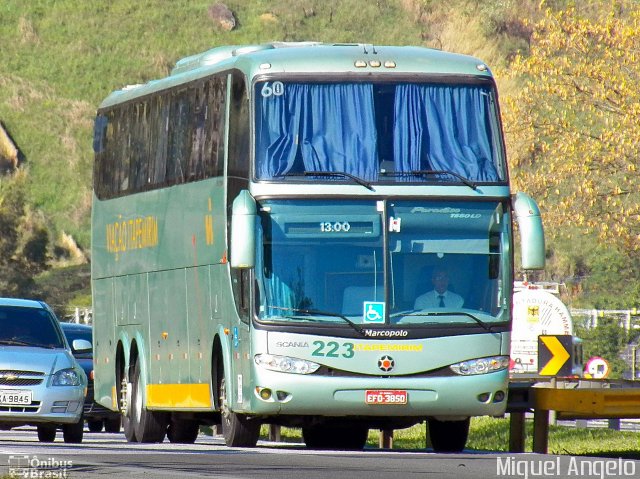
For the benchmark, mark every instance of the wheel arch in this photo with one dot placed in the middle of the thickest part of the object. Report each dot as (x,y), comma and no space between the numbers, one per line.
(220,364)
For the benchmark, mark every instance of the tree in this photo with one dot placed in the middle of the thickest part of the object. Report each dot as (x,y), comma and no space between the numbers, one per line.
(608,340)
(573,128)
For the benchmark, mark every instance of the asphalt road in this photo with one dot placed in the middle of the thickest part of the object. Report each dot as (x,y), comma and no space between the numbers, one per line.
(109,455)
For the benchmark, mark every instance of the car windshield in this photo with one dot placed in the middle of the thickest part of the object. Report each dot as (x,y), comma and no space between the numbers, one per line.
(378,132)
(24,326)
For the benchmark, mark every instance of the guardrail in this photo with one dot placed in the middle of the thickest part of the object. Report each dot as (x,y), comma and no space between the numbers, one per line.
(568,399)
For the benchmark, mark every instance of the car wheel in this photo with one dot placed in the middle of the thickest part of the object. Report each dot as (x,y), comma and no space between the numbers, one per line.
(112,424)
(72,433)
(46,433)
(95,426)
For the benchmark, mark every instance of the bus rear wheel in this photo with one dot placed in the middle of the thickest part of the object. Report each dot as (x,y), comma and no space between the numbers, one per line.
(123,392)
(148,426)
(448,436)
(335,437)
(238,429)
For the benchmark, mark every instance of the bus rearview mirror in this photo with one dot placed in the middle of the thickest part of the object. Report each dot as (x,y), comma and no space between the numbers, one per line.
(243,231)
(529,220)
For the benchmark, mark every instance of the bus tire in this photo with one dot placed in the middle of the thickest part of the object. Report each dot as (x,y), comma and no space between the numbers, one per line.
(183,431)
(238,429)
(448,436)
(149,426)
(335,437)
(127,424)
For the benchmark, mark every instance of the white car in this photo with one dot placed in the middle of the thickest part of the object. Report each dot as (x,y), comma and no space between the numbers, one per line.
(41,384)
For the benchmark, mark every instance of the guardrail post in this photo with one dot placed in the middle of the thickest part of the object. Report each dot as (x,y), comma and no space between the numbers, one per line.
(540,430)
(274,433)
(614,423)
(386,439)
(516,431)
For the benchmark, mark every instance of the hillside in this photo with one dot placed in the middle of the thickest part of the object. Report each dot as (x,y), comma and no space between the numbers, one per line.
(59,59)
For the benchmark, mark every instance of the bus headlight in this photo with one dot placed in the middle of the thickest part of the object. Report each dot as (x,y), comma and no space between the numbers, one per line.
(285,364)
(481,365)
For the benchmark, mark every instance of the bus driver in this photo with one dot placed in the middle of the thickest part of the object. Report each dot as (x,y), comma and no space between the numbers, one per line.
(440,296)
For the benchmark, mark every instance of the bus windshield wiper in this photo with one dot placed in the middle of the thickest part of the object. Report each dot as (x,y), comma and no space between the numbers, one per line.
(464,180)
(357,179)
(311,312)
(418,312)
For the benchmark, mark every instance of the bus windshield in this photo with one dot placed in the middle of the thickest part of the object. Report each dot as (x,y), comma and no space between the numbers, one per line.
(377,132)
(439,263)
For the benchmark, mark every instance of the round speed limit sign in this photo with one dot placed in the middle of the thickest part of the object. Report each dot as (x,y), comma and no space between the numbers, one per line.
(597,368)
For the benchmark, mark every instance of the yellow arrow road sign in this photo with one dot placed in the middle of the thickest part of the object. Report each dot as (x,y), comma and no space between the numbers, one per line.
(553,352)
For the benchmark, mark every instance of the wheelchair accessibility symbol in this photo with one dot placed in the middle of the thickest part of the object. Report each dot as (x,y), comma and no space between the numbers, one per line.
(373,312)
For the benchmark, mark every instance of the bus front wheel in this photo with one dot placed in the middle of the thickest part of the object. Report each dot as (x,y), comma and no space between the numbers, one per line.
(238,429)
(448,436)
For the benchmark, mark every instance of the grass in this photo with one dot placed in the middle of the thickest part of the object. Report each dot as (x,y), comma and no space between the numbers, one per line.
(492,434)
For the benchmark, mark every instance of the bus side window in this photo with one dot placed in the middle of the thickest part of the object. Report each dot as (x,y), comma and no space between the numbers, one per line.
(216,92)
(180,128)
(241,282)
(239,130)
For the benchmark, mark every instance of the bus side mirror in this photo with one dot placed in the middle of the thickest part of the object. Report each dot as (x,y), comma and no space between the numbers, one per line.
(529,221)
(243,231)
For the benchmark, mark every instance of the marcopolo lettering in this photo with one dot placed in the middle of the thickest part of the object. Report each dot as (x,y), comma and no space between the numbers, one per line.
(386,333)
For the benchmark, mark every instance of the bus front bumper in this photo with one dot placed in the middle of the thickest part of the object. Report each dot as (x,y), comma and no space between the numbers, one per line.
(452,396)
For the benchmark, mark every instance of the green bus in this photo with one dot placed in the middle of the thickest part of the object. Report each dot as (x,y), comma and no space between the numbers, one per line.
(317,236)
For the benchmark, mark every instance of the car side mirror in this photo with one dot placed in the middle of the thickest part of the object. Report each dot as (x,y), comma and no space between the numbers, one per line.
(81,346)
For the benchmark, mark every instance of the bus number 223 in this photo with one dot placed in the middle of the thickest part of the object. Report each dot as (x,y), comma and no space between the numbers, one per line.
(332,348)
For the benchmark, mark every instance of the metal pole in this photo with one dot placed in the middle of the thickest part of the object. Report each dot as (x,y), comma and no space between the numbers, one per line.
(540,431)
(386,439)
(516,432)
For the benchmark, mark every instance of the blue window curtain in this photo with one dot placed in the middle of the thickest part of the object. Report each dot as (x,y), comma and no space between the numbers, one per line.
(317,127)
(444,128)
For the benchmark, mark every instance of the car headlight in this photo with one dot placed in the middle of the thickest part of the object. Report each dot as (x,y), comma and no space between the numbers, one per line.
(66,377)
(285,364)
(481,365)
